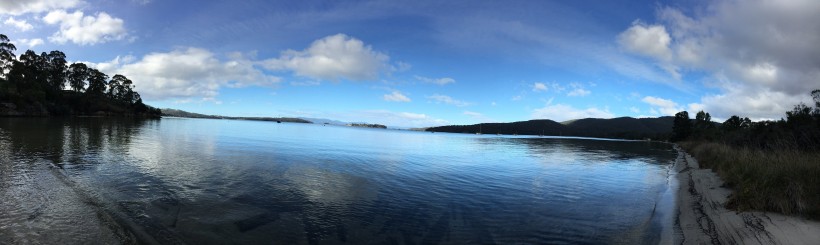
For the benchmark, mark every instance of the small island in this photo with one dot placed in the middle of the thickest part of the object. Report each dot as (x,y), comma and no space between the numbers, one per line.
(46,85)
(366,125)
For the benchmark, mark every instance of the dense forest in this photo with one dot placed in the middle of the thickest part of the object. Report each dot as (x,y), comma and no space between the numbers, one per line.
(771,165)
(621,128)
(800,130)
(46,85)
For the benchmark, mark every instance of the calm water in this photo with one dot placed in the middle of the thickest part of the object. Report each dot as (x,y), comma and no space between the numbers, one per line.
(201,181)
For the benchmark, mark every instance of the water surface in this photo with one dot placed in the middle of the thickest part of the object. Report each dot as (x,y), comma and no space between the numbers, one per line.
(203,181)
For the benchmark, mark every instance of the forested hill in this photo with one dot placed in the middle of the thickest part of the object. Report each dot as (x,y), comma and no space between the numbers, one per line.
(620,128)
(180,113)
(46,85)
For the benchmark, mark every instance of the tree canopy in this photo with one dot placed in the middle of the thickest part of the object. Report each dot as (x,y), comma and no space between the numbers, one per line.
(34,84)
(799,130)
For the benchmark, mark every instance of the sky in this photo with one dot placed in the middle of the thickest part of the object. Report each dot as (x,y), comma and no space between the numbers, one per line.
(427,63)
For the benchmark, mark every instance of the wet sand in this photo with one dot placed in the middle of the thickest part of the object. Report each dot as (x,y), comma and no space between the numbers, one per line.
(703,218)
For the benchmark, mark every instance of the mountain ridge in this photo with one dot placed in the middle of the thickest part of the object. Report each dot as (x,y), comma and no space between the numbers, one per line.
(621,127)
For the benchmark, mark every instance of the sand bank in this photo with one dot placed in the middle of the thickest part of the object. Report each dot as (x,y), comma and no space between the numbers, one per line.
(703,218)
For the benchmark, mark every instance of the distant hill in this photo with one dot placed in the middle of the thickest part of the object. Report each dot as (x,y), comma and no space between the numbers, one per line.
(622,128)
(180,113)
(324,121)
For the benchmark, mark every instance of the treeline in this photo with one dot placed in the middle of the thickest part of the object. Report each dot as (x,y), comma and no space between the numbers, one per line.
(617,128)
(365,125)
(180,113)
(35,85)
(800,130)
(771,165)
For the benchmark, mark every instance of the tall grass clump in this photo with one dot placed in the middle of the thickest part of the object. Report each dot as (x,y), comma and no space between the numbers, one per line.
(784,181)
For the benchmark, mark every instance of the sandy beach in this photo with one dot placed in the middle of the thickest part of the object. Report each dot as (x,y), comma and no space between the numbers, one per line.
(703,218)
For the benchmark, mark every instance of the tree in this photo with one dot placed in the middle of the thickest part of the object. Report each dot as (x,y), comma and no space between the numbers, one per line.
(128,94)
(96,82)
(77,74)
(6,54)
(115,90)
(733,123)
(703,120)
(799,117)
(56,70)
(122,89)
(29,72)
(682,126)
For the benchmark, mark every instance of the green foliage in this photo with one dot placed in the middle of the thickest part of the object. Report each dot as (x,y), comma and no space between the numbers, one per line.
(34,85)
(681,127)
(620,128)
(77,75)
(772,165)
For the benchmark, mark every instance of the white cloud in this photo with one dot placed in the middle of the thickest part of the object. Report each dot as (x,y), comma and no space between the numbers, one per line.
(186,73)
(648,40)
(634,110)
(22,25)
(662,106)
(399,119)
(333,58)
(448,100)
(30,43)
(761,55)
(652,41)
(561,112)
(473,114)
(695,107)
(755,103)
(305,83)
(80,29)
(439,81)
(579,92)
(396,96)
(18,7)
(538,87)
(558,87)
(478,117)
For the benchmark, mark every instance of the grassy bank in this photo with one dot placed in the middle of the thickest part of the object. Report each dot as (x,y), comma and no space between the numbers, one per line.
(781,181)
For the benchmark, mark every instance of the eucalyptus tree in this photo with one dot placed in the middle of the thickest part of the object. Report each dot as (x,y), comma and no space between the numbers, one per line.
(29,72)
(96,82)
(56,68)
(703,120)
(122,89)
(115,87)
(681,127)
(6,54)
(77,75)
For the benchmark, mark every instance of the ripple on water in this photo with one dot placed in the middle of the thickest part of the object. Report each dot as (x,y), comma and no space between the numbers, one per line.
(40,209)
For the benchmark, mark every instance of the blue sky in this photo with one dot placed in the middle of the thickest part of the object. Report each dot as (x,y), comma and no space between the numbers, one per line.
(425,63)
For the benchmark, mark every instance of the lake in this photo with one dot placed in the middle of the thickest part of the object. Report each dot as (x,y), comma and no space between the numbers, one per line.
(207,181)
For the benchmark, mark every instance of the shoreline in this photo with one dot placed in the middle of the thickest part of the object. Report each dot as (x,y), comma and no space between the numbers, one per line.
(703,219)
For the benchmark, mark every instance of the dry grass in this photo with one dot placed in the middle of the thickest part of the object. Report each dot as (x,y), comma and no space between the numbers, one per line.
(787,182)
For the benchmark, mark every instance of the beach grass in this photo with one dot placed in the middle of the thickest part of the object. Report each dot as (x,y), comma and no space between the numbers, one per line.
(783,181)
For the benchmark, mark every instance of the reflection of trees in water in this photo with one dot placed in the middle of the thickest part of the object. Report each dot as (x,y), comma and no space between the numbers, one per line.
(659,153)
(66,140)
